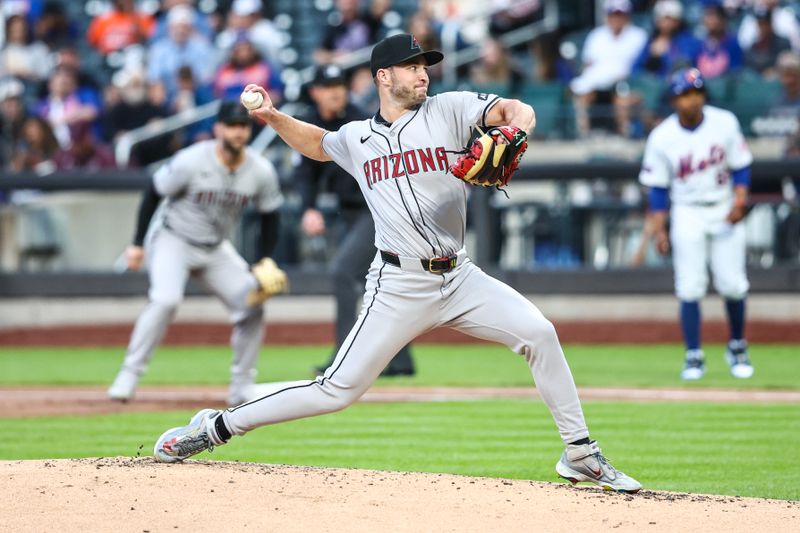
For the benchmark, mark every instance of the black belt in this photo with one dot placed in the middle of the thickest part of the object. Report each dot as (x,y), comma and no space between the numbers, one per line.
(435,265)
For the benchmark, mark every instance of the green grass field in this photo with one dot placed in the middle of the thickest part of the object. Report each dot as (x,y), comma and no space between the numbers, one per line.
(777,366)
(734,449)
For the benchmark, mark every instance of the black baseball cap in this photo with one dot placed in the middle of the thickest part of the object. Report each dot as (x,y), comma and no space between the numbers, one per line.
(328,75)
(399,49)
(232,112)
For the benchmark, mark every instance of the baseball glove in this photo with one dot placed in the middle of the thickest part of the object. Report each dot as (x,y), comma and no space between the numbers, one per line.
(491,157)
(271,281)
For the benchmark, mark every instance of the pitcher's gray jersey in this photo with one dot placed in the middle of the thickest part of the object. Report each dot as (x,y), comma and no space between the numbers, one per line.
(419,209)
(205,199)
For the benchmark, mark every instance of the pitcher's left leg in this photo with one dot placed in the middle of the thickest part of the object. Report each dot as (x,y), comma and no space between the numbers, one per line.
(489,309)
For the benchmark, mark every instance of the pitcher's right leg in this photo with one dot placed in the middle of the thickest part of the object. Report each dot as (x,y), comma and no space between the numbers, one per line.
(388,321)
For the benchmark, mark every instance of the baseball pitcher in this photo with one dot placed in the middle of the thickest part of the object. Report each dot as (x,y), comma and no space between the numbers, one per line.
(415,172)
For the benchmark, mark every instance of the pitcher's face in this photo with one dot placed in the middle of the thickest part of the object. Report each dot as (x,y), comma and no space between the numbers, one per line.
(410,82)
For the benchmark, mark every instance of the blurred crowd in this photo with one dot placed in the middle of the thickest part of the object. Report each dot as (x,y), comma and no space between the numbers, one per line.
(75,76)
(748,51)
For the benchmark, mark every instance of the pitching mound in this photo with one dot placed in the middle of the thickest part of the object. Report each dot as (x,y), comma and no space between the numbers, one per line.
(124,494)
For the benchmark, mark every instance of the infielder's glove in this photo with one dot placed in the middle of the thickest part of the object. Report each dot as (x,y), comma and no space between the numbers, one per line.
(491,157)
(271,281)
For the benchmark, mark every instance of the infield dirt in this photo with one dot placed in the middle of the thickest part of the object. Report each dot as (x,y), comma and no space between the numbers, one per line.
(137,494)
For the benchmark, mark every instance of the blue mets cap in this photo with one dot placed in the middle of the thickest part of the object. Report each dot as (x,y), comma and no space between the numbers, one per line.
(684,80)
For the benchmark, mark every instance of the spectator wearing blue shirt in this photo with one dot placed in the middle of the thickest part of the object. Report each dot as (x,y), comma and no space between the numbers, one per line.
(202,22)
(720,52)
(671,46)
(183,47)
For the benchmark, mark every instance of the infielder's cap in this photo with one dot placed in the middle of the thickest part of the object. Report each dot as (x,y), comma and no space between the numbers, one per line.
(232,112)
(399,49)
(328,75)
(684,80)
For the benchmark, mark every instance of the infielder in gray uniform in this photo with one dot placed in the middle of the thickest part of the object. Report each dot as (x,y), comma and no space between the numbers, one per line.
(205,188)
(421,277)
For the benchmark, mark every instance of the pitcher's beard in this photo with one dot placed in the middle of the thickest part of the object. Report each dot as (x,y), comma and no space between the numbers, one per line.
(409,98)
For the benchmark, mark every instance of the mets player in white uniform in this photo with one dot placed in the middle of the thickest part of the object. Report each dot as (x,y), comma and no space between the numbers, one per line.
(697,166)
(421,277)
(205,188)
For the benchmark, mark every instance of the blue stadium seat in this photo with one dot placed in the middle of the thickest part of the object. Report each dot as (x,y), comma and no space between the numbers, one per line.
(650,88)
(547,99)
(719,90)
(753,97)
(572,46)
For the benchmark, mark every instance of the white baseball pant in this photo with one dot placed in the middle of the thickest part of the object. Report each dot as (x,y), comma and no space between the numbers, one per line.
(700,235)
(401,303)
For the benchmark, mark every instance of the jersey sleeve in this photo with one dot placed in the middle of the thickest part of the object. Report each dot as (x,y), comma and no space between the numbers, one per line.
(463,110)
(655,170)
(173,177)
(270,197)
(335,145)
(737,152)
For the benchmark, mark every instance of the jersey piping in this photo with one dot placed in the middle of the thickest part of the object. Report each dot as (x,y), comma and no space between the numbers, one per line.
(410,188)
(402,198)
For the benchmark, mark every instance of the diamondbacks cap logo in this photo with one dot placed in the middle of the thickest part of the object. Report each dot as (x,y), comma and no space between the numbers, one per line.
(414,43)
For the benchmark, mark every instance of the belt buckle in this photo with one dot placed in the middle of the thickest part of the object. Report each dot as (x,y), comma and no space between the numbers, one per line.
(451,264)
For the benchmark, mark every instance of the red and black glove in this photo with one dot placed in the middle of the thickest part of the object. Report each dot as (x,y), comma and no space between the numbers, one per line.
(491,157)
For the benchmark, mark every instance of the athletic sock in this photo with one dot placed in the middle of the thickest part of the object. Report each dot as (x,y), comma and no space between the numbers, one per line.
(690,324)
(735,309)
(222,430)
(580,442)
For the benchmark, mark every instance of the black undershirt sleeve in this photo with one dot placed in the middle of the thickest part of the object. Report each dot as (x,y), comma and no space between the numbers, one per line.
(150,201)
(268,237)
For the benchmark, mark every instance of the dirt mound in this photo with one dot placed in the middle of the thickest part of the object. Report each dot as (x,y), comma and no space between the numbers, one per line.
(137,494)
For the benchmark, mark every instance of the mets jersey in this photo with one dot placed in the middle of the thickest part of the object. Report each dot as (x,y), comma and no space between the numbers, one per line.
(205,199)
(419,209)
(695,165)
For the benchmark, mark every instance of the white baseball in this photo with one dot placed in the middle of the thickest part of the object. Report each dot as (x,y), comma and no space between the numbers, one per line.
(252,100)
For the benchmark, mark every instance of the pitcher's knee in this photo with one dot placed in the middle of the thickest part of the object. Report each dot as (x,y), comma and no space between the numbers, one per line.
(337,397)
(542,331)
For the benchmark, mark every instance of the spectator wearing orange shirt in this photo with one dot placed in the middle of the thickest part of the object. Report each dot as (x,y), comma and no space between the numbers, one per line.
(119,28)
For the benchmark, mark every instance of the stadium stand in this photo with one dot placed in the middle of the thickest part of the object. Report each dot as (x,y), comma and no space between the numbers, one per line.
(545,58)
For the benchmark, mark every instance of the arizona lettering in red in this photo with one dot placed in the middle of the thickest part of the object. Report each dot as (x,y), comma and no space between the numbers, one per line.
(410,162)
